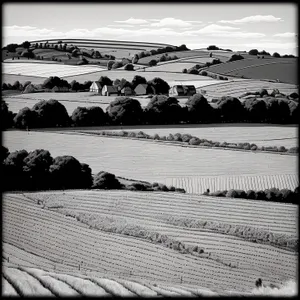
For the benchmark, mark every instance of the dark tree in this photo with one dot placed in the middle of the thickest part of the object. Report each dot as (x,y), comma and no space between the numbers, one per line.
(125,110)
(213,47)
(231,109)
(26,118)
(11,47)
(117,64)
(235,57)
(129,67)
(105,180)
(256,110)
(138,80)
(36,169)
(14,178)
(110,63)
(4,152)
(104,80)
(74,85)
(88,116)
(51,82)
(160,86)
(253,52)
(152,62)
(278,111)
(6,116)
(163,110)
(199,110)
(275,54)
(67,173)
(51,113)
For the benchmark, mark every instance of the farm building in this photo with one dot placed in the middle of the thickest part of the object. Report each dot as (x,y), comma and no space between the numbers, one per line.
(96,87)
(126,91)
(109,90)
(144,89)
(182,90)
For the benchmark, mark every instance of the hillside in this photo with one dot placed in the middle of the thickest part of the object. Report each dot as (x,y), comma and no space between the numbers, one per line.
(283,69)
(117,234)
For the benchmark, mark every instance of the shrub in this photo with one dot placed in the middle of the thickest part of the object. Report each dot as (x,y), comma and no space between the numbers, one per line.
(236,57)
(294,150)
(260,195)
(203,73)
(250,194)
(194,141)
(152,62)
(156,137)
(282,149)
(184,70)
(129,67)
(186,137)
(170,137)
(236,194)
(105,180)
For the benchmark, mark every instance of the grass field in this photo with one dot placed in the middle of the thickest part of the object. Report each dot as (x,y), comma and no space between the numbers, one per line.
(283,69)
(150,161)
(174,67)
(84,245)
(237,88)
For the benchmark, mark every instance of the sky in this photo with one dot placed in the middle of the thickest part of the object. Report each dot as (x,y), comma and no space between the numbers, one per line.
(270,27)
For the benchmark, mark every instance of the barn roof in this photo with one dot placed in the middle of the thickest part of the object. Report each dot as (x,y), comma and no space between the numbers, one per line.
(111,89)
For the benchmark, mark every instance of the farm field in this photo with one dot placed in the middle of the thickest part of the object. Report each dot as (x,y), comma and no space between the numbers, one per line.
(261,135)
(175,67)
(151,161)
(69,100)
(9,78)
(81,250)
(47,70)
(283,69)
(232,88)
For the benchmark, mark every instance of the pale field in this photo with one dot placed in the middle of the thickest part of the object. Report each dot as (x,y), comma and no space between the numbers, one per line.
(259,134)
(70,100)
(236,88)
(175,67)
(9,78)
(47,70)
(46,238)
(151,161)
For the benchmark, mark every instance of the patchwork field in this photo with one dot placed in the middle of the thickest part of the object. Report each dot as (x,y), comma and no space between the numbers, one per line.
(175,67)
(228,264)
(236,89)
(47,70)
(283,69)
(151,161)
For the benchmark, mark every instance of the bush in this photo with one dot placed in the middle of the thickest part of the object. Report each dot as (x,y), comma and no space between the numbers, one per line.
(105,180)
(250,194)
(194,141)
(156,137)
(186,138)
(184,70)
(170,137)
(203,73)
(129,67)
(294,150)
(152,62)
(236,57)
(253,52)
(219,193)
(236,194)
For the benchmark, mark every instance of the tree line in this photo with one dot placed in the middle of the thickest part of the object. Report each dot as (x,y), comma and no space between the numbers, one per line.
(38,170)
(161,110)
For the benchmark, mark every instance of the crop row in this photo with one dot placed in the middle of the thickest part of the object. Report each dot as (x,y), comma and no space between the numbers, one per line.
(68,238)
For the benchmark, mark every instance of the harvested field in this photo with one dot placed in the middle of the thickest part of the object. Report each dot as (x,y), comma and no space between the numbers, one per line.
(47,70)
(9,78)
(236,89)
(283,69)
(152,161)
(34,229)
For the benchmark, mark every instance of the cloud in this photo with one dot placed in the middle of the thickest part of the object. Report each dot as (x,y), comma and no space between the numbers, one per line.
(253,19)
(133,21)
(285,35)
(213,28)
(171,22)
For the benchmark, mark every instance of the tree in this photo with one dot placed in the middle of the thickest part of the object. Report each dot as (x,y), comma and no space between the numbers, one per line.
(67,172)
(110,63)
(26,118)
(163,110)
(275,54)
(199,110)
(88,116)
(278,111)
(51,113)
(152,62)
(125,110)
(129,67)
(105,180)
(14,178)
(138,80)
(235,57)
(16,85)
(104,80)
(253,52)
(135,59)
(231,109)
(6,116)
(213,47)
(160,86)
(11,47)
(256,110)
(36,169)
(53,81)
(4,152)
(74,85)
(184,70)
